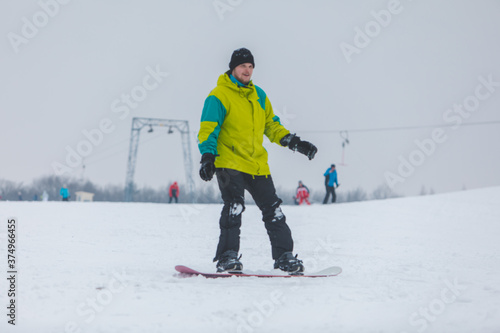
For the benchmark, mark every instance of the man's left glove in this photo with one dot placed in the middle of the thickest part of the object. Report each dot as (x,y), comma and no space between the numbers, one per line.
(294,143)
(207,168)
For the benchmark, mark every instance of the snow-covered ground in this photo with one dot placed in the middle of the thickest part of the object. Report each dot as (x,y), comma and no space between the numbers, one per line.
(420,264)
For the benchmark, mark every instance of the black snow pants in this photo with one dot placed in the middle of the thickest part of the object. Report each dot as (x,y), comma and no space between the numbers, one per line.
(330,190)
(232,185)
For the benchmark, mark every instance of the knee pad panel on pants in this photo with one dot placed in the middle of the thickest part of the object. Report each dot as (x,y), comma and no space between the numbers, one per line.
(273,213)
(231,214)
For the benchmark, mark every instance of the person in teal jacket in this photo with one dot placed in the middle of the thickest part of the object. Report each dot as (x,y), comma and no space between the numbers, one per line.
(64,192)
(330,181)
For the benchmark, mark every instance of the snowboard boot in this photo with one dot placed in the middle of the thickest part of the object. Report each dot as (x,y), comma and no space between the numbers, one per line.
(229,262)
(290,264)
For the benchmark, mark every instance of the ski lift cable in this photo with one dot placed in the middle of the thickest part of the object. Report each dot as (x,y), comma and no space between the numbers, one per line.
(382,129)
(306,131)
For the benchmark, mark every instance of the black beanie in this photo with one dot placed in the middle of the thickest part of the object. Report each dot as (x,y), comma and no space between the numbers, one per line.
(241,56)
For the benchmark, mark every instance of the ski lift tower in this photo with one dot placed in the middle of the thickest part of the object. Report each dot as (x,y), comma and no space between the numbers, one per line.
(137,125)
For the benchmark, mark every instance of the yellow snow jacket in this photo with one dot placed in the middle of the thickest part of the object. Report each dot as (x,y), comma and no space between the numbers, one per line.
(234,120)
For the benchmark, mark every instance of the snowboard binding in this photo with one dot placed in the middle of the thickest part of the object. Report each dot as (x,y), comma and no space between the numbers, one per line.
(289,263)
(229,262)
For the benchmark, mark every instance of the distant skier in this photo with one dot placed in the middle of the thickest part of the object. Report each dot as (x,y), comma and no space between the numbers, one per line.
(330,181)
(45,196)
(235,117)
(302,193)
(64,192)
(173,192)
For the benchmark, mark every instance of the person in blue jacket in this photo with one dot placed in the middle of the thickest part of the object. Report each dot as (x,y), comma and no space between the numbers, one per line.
(64,192)
(330,181)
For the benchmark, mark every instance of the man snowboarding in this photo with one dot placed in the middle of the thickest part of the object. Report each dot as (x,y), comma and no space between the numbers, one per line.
(235,117)
(330,181)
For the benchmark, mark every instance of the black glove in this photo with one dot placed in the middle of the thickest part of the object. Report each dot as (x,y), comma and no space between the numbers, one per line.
(207,168)
(294,143)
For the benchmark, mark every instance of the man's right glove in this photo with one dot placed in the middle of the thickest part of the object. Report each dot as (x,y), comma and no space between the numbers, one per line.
(294,143)
(207,168)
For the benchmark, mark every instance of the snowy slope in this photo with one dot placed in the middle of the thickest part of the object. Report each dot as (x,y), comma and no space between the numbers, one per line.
(422,264)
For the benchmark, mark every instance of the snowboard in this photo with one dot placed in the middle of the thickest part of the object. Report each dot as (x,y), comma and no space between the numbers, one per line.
(186,272)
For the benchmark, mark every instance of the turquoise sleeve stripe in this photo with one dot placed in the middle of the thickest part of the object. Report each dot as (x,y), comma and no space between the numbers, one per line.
(213,110)
(212,118)
(262,97)
(210,145)
(276,119)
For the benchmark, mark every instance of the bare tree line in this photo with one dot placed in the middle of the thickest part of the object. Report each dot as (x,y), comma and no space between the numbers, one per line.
(207,193)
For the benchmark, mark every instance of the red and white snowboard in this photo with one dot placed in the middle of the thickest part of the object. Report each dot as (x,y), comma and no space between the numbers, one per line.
(186,271)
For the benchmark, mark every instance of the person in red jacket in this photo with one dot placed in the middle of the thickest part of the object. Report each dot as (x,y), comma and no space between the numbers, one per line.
(302,193)
(173,192)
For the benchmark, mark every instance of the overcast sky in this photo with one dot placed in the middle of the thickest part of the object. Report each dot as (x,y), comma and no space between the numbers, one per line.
(405,79)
